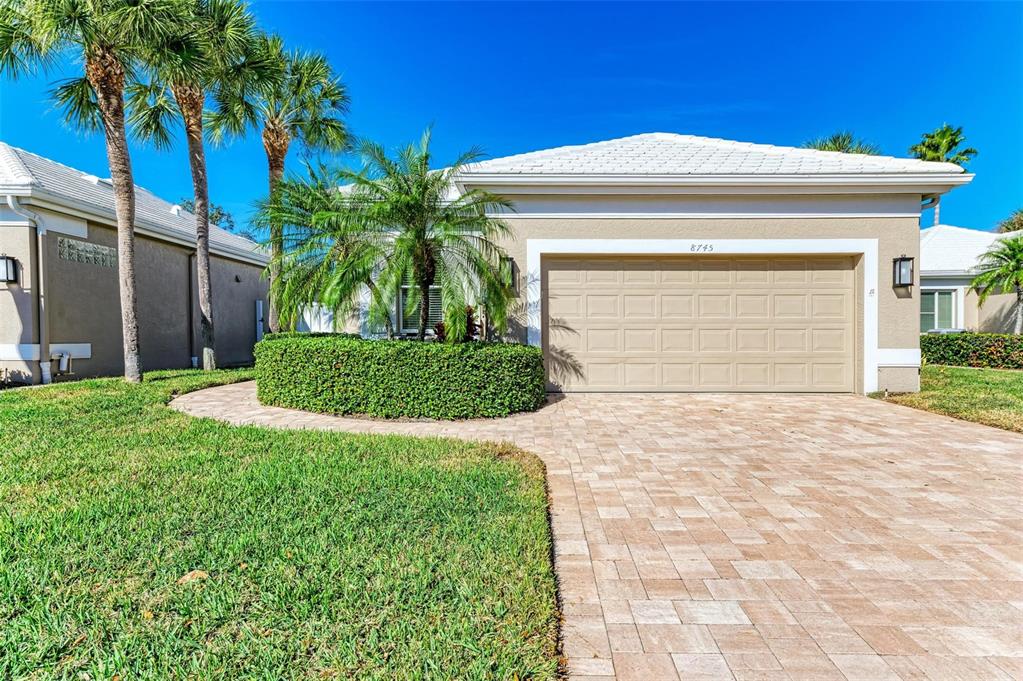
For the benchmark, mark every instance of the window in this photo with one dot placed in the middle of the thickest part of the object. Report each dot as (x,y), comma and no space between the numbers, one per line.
(409,321)
(936,310)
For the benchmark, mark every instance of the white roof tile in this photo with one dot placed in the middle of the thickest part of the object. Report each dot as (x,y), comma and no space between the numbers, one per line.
(949,249)
(20,168)
(661,153)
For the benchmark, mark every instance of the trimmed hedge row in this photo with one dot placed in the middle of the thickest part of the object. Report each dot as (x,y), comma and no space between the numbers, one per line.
(342,374)
(989,350)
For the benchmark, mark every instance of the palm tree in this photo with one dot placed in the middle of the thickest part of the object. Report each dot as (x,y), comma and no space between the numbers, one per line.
(844,142)
(1013,223)
(942,145)
(327,256)
(1001,271)
(206,49)
(105,36)
(396,221)
(305,103)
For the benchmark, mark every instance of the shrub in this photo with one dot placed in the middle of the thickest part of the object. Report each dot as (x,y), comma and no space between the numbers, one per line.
(340,374)
(472,329)
(990,350)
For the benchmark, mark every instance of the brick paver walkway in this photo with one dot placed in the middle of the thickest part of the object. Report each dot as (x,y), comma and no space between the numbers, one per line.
(761,536)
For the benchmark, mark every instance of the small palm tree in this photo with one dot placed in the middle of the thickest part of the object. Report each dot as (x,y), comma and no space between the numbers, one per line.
(1001,271)
(327,255)
(106,37)
(207,47)
(392,222)
(1013,223)
(305,102)
(942,145)
(844,142)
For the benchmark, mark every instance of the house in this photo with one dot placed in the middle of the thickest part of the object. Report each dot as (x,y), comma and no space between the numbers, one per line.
(948,262)
(667,262)
(58,225)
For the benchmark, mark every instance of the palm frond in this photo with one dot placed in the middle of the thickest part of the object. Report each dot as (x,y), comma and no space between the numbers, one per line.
(843,141)
(1000,269)
(77,101)
(152,113)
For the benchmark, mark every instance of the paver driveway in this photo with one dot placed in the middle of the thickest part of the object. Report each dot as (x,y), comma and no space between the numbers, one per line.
(762,536)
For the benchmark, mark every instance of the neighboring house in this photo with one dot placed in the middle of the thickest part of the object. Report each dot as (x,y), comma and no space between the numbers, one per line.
(948,263)
(58,224)
(665,262)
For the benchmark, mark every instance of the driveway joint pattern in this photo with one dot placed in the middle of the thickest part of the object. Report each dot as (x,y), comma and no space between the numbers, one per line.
(759,536)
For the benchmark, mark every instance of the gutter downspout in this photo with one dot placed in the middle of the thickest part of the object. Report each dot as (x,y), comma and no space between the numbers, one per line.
(45,370)
(932,201)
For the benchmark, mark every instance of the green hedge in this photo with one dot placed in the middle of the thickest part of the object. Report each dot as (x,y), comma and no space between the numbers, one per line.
(341,374)
(990,350)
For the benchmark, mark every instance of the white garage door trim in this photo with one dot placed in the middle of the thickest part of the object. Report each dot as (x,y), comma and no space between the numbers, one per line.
(537,248)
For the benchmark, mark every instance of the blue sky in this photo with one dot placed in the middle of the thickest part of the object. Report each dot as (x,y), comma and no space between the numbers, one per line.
(524,76)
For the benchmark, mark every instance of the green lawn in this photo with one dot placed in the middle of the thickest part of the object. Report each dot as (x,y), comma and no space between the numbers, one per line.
(321,555)
(990,396)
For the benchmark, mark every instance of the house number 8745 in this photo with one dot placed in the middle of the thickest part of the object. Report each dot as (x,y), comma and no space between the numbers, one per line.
(701,248)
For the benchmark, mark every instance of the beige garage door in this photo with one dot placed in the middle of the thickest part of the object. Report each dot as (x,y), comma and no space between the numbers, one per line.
(750,324)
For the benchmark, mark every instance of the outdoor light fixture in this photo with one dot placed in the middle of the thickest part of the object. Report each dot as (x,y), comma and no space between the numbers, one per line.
(8,270)
(902,271)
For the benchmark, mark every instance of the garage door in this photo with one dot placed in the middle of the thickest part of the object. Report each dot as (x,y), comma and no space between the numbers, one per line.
(750,324)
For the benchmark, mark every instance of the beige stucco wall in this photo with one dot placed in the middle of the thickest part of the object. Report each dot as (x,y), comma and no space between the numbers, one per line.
(83,306)
(971,312)
(898,310)
(18,323)
(236,288)
(996,315)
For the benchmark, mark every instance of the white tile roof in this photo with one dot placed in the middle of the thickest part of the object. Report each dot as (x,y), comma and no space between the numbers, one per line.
(947,249)
(23,170)
(662,153)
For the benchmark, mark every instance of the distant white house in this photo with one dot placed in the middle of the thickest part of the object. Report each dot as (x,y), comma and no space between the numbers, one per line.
(948,262)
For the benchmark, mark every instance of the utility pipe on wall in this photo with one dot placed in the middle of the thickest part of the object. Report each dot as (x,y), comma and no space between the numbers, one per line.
(43,332)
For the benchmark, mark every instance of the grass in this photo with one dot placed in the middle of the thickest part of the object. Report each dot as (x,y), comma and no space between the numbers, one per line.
(990,396)
(319,555)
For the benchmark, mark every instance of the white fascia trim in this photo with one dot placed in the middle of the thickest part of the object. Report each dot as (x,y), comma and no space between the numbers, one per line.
(898,358)
(924,274)
(868,248)
(925,183)
(29,352)
(697,216)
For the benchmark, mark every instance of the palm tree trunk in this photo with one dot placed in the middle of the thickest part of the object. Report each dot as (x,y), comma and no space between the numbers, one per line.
(275,143)
(424,308)
(106,76)
(190,101)
(1019,310)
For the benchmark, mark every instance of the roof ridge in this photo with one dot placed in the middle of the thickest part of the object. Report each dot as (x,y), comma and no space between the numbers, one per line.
(12,162)
(663,145)
(784,148)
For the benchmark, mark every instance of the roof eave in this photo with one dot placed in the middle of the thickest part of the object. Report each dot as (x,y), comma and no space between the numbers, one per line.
(948,273)
(923,183)
(51,201)
(15,189)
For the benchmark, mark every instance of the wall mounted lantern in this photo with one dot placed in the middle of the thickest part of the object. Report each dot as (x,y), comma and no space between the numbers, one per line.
(8,270)
(902,272)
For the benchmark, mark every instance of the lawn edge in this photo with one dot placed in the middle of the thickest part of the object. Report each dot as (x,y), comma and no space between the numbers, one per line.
(530,463)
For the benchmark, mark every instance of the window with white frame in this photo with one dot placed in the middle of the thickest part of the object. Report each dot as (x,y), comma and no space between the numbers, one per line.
(408,320)
(937,310)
